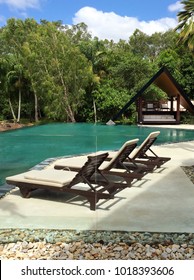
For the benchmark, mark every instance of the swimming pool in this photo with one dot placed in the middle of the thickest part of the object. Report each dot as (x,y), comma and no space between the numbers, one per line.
(22,149)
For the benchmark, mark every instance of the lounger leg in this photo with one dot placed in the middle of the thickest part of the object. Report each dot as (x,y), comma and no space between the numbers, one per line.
(92,200)
(25,192)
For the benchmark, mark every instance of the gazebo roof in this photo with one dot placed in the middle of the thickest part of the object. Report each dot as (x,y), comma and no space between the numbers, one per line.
(166,82)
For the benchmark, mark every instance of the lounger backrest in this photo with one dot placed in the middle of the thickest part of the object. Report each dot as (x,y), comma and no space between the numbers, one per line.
(89,168)
(147,143)
(122,154)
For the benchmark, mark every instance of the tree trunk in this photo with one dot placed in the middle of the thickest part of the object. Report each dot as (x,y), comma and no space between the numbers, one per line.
(68,108)
(19,105)
(12,111)
(35,107)
(35,102)
(95,115)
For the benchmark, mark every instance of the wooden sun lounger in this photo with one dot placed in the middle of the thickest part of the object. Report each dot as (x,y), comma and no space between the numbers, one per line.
(98,187)
(114,166)
(136,162)
(145,155)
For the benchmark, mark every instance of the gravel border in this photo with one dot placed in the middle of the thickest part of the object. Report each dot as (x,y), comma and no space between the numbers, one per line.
(23,244)
(53,236)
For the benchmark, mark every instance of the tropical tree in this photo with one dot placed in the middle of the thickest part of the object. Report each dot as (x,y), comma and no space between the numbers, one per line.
(14,79)
(56,70)
(5,90)
(149,47)
(186,24)
(13,36)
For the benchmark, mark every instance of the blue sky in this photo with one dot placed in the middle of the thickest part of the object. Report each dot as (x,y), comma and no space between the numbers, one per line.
(111,19)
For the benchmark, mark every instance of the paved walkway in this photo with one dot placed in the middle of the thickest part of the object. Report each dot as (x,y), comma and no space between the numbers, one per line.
(162,201)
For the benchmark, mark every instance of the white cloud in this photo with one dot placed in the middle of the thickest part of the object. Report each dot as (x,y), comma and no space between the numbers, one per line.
(175,7)
(21,4)
(115,27)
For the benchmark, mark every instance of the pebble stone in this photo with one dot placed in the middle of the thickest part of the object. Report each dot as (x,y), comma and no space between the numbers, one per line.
(42,244)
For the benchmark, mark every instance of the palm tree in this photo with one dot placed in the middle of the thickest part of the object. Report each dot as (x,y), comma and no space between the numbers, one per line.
(186,24)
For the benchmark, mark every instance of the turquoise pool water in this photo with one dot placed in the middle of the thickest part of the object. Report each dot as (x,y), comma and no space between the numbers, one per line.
(22,149)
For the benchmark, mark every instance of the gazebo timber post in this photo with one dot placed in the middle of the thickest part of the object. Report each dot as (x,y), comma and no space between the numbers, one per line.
(178,118)
(171,103)
(139,109)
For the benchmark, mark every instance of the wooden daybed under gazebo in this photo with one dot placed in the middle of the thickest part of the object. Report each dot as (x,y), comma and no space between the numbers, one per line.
(160,112)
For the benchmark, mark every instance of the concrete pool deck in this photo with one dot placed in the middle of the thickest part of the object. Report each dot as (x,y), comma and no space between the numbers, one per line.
(163,201)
